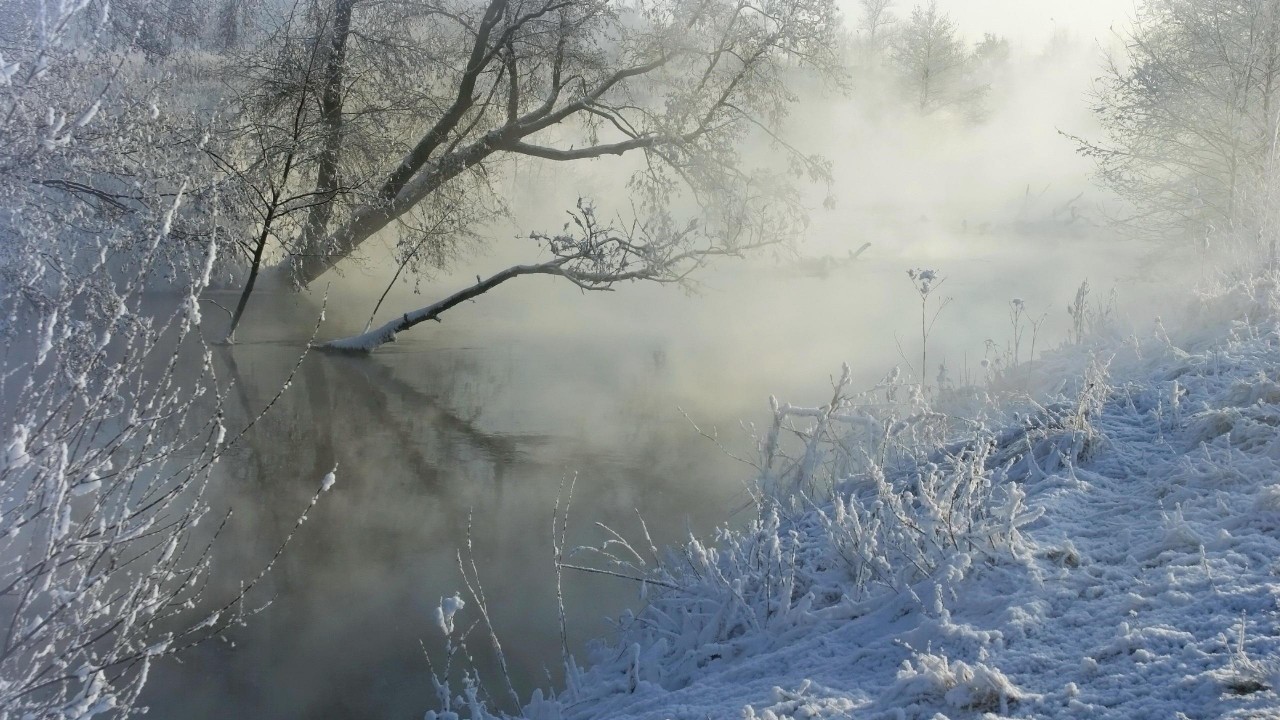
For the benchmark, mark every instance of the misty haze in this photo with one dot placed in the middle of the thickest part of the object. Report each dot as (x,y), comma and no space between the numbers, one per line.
(569,359)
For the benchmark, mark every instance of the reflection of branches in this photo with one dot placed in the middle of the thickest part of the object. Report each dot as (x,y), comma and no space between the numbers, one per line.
(380,380)
(589,254)
(246,407)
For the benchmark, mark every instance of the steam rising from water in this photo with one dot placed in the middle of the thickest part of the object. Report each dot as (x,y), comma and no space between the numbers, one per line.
(490,411)
(1004,208)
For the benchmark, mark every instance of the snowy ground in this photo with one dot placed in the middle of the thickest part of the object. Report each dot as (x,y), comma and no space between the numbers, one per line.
(1113,554)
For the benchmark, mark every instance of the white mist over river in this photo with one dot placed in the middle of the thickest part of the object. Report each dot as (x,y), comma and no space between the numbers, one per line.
(483,418)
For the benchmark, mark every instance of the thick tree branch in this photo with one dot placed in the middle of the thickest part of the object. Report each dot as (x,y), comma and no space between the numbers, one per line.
(591,151)
(596,259)
(373,339)
(462,102)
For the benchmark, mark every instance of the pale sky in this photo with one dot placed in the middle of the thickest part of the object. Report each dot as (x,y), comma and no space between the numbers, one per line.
(1023,21)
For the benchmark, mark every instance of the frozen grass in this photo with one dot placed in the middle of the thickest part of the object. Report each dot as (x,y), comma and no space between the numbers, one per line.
(1107,552)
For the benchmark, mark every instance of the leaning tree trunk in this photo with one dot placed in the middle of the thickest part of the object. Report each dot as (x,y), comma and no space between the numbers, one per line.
(405,186)
(323,252)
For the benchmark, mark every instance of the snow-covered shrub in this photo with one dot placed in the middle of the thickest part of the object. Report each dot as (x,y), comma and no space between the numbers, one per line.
(98,148)
(861,505)
(1243,304)
(460,690)
(896,532)
(807,450)
(929,678)
(1268,499)
(1244,675)
(1088,320)
(805,701)
(709,601)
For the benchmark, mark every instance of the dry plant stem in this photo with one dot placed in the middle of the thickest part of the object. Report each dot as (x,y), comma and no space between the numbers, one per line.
(476,590)
(559,533)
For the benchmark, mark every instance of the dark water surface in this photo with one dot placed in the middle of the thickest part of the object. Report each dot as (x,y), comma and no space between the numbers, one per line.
(430,435)
(481,421)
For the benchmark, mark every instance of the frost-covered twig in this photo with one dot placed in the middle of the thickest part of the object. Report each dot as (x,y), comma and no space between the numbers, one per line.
(116,415)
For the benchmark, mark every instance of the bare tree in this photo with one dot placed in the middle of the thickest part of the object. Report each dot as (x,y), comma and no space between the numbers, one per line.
(876,19)
(933,61)
(1189,112)
(231,19)
(287,123)
(157,28)
(679,82)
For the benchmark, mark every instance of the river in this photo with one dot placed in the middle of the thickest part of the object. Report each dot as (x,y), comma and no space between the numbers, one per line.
(481,421)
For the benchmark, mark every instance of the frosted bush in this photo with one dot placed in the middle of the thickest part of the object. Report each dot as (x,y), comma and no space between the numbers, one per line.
(114,416)
(874,496)
(1268,499)
(930,677)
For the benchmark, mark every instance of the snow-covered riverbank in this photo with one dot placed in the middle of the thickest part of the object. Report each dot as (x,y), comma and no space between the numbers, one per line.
(1112,552)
